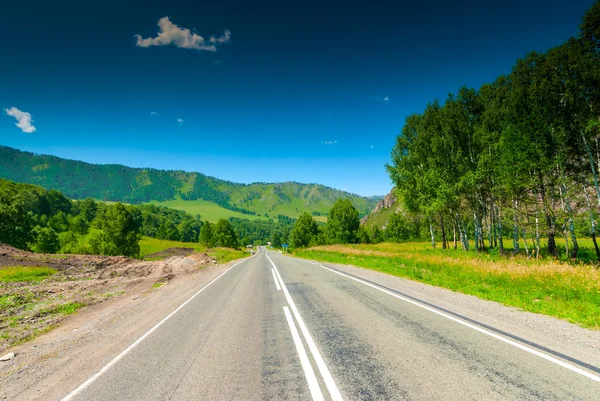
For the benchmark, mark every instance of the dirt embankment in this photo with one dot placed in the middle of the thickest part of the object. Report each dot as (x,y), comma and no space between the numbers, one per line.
(30,308)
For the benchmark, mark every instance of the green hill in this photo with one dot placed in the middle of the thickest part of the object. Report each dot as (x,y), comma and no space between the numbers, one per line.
(190,191)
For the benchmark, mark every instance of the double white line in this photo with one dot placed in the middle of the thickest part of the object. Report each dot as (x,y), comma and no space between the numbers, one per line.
(313,384)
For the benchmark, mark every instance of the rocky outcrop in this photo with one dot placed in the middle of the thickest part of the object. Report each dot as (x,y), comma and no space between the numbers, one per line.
(387,202)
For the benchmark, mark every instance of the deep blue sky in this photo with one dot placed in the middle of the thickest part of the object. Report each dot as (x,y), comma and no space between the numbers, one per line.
(263,106)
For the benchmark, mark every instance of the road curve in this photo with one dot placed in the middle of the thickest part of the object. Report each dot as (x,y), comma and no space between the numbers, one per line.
(278,328)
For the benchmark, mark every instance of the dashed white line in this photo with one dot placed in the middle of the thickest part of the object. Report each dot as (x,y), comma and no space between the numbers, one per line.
(276,282)
(334,392)
(116,359)
(313,384)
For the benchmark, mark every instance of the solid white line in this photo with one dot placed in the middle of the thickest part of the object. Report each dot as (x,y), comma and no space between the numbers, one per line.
(313,384)
(276,282)
(474,327)
(139,340)
(334,392)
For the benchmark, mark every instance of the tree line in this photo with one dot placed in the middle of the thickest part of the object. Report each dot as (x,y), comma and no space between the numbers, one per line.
(517,157)
(33,218)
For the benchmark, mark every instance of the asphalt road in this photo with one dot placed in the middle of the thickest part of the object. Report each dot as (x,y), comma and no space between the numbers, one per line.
(277,328)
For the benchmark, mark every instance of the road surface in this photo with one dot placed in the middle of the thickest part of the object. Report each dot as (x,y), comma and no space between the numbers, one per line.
(277,328)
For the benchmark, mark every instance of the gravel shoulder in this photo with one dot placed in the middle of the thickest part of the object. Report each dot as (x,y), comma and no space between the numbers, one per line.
(84,342)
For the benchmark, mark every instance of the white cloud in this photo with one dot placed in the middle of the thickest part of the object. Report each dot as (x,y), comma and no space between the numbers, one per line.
(221,39)
(23,119)
(329,142)
(180,121)
(386,99)
(153,113)
(170,33)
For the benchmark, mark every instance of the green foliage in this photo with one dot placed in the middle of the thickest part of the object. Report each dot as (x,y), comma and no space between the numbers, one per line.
(305,230)
(343,222)
(121,231)
(397,229)
(276,240)
(224,235)
(15,225)
(46,240)
(79,180)
(25,273)
(206,235)
(493,161)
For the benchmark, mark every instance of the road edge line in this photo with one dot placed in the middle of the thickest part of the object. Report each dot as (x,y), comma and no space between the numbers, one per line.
(474,327)
(117,358)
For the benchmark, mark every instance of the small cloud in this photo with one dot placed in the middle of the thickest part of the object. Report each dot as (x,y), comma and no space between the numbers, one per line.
(153,113)
(386,99)
(371,146)
(221,39)
(180,121)
(171,34)
(23,119)
(328,142)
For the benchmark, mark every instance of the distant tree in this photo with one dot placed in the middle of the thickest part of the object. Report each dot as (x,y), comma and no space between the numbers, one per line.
(121,231)
(15,225)
(68,242)
(59,222)
(397,228)
(305,229)
(87,209)
(46,240)
(362,236)
(224,235)
(276,240)
(206,234)
(343,222)
(375,235)
(189,230)
(79,225)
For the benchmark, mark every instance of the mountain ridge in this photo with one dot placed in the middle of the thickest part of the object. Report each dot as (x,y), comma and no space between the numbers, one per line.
(116,182)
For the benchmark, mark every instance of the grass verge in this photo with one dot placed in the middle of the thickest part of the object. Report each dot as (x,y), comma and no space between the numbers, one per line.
(570,292)
(25,273)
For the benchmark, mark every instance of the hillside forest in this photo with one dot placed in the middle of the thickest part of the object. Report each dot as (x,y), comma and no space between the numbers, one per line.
(516,158)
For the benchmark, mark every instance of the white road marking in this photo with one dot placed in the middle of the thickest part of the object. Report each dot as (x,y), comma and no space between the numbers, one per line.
(474,327)
(313,384)
(139,340)
(276,282)
(334,392)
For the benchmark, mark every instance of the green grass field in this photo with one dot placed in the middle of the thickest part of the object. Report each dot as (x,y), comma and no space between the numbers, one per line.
(25,273)
(552,287)
(151,245)
(207,210)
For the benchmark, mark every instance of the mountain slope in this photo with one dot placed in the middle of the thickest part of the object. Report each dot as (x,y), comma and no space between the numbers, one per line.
(380,215)
(113,182)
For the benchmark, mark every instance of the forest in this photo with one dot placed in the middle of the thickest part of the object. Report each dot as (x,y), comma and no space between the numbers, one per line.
(34,218)
(517,157)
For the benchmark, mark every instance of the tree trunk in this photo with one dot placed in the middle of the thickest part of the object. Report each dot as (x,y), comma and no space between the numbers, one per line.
(549,219)
(454,234)
(589,205)
(525,241)
(500,240)
(591,159)
(475,232)
(569,225)
(515,229)
(443,232)
(432,235)
(537,230)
